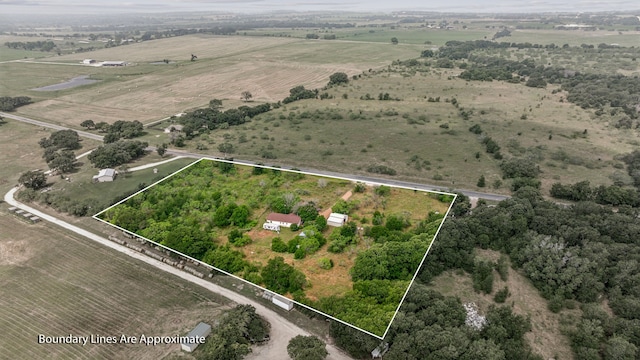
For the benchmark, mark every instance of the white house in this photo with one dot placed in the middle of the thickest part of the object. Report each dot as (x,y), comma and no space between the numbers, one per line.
(191,341)
(337,220)
(271,226)
(105,175)
(285,220)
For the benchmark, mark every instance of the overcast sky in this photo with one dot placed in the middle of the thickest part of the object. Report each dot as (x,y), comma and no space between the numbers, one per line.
(142,6)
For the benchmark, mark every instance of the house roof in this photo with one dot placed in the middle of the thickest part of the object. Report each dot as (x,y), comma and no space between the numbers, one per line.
(288,218)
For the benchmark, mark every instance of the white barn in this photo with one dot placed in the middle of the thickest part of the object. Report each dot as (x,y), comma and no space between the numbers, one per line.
(105,175)
(201,330)
(337,220)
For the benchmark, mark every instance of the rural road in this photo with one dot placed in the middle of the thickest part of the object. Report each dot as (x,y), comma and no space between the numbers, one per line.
(405,184)
(281,329)
(50,126)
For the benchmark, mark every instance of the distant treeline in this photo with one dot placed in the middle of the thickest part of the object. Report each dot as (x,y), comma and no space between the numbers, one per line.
(47,45)
(585,89)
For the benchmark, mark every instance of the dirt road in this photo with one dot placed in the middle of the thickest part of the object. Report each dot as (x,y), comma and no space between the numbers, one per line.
(281,329)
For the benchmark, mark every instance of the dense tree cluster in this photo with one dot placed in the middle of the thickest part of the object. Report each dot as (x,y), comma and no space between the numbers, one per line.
(8,103)
(306,348)
(57,150)
(606,195)
(117,153)
(203,120)
(299,93)
(338,78)
(33,180)
(282,277)
(239,328)
(122,130)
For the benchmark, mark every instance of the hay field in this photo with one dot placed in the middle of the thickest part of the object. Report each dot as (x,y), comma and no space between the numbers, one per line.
(226,66)
(56,284)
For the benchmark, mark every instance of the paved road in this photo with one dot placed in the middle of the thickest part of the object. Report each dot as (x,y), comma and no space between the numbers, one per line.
(406,184)
(365,179)
(50,126)
(281,329)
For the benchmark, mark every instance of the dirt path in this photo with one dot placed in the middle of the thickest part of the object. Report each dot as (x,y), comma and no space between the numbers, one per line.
(344,197)
(281,329)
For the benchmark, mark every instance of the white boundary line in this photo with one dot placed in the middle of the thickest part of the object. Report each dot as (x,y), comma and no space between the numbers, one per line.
(265,289)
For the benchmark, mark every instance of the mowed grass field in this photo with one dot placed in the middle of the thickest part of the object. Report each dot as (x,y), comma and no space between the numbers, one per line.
(226,66)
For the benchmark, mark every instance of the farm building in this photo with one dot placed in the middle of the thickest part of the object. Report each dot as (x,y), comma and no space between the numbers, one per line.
(172,128)
(88,61)
(271,226)
(113,63)
(105,175)
(337,220)
(201,330)
(285,220)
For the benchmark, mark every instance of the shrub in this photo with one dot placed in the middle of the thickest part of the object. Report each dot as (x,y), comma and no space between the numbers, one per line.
(278,245)
(501,296)
(325,263)
(381,169)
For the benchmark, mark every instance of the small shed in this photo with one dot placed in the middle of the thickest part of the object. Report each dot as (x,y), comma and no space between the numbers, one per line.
(105,175)
(192,340)
(285,220)
(337,220)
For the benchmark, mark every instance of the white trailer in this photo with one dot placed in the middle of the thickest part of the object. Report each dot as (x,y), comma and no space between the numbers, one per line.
(282,302)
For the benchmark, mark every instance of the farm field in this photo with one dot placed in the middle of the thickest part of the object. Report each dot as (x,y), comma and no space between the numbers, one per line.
(226,66)
(55,284)
(214,212)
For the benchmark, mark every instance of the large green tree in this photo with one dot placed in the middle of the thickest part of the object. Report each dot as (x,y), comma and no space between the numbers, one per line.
(33,179)
(306,348)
